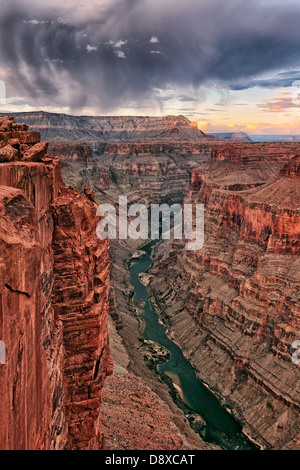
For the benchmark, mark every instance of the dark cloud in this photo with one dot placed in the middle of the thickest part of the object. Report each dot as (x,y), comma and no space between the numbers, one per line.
(101,55)
(284,79)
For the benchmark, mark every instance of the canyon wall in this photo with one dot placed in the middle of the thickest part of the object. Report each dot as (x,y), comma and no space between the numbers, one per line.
(53,302)
(255,153)
(233,306)
(144,172)
(146,158)
(80,301)
(157,171)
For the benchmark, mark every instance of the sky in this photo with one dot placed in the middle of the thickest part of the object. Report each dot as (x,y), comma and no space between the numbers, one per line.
(229,65)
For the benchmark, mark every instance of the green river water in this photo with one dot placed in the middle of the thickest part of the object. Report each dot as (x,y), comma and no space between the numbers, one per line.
(221,427)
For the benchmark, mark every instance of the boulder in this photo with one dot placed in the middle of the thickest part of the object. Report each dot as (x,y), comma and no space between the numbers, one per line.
(36,153)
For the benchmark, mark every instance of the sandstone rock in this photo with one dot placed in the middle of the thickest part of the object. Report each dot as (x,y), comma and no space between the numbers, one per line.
(5,124)
(292,168)
(31,378)
(36,153)
(8,154)
(27,137)
(19,127)
(90,194)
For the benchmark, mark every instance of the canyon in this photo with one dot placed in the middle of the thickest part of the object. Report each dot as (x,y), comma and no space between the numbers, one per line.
(54,317)
(233,306)
(54,302)
(67,301)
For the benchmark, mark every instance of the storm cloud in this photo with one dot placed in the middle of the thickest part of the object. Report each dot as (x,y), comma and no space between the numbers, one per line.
(112,53)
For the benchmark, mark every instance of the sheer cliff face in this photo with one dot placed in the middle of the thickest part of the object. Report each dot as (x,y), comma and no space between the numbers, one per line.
(39,397)
(237,312)
(81,273)
(64,128)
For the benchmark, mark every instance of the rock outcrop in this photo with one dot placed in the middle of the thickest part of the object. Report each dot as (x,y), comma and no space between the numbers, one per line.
(234,305)
(53,302)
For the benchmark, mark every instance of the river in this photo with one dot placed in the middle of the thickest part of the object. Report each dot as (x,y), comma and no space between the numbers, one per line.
(221,427)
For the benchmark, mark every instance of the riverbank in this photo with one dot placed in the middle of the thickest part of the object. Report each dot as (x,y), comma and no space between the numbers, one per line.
(236,391)
(128,326)
(134,409)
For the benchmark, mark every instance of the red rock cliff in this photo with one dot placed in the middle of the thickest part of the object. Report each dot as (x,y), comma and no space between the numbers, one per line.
(237,312)
(53,302)
(80,299)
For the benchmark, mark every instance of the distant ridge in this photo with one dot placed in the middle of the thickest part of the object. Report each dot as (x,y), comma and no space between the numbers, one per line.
(275,138)
(67,128)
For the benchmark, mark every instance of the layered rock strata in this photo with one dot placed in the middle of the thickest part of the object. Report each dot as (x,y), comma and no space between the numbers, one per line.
(46,271)
(133,416)
(65,128)
(149,159)
(144,172)
(80,301)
